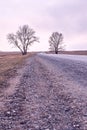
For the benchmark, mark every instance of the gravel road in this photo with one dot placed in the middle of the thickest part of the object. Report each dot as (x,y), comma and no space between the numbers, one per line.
(47,94)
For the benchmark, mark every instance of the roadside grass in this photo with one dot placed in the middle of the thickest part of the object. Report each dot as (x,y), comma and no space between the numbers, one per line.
(8,66)
(70,52)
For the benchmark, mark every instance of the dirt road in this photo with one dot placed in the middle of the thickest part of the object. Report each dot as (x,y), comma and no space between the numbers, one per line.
(47,94)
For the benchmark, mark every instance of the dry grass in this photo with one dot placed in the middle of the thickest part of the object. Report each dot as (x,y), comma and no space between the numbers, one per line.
(74,52)
(71,52)
(8,65)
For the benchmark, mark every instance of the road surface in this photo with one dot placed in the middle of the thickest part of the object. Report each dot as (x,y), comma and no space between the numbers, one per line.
(47,94)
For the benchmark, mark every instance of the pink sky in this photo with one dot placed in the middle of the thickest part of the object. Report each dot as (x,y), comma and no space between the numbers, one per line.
(68,17)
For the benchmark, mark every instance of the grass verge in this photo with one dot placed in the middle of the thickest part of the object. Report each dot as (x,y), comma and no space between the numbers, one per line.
(8,66)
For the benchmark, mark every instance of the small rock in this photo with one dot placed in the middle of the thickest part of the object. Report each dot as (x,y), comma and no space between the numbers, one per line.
(13,111)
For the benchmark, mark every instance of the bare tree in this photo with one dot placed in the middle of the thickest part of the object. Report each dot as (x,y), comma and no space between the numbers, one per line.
(23,38)
(55,42)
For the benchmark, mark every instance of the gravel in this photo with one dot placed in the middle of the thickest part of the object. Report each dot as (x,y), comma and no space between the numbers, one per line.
(48,97)
(82,58)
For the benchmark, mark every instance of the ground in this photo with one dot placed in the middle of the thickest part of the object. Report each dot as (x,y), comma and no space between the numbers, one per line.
(45,95)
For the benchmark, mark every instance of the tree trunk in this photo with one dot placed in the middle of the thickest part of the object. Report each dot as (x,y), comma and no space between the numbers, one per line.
(56,51)
(24,53)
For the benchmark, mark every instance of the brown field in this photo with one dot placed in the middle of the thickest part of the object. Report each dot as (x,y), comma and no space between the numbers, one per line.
(71,52)
(9,62)
(74,52)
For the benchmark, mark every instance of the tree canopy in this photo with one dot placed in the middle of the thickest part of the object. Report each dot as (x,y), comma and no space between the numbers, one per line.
(23,38)
(55,42)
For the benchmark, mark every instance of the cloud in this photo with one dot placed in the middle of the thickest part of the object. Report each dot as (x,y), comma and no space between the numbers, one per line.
(66,16)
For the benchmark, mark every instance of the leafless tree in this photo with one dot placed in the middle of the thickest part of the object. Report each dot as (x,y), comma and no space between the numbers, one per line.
(23,38)
(55,42)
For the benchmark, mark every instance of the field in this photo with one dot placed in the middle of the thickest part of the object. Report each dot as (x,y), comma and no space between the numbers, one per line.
(9,62)
(75,52)
(71,52)
(47,92)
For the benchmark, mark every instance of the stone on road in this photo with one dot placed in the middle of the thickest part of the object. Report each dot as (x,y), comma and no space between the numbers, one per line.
(48,97)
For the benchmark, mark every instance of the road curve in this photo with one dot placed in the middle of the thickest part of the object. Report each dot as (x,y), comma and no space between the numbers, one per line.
(51,95)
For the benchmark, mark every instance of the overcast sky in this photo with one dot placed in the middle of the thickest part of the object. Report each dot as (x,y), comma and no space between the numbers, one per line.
(68,17)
